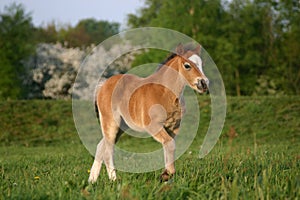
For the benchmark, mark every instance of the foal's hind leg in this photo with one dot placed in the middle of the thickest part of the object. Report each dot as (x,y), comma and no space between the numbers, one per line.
(105,149)
(104,153)
(95,170)
(108,160)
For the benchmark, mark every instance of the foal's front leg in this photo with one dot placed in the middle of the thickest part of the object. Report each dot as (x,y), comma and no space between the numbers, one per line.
(169,153)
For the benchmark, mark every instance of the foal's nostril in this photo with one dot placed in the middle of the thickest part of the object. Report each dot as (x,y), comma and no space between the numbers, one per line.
(203,84)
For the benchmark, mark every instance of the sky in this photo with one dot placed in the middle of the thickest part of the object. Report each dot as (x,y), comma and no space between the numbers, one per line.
(64,12)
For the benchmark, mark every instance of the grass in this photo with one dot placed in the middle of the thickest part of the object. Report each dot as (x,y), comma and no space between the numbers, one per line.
(257,156)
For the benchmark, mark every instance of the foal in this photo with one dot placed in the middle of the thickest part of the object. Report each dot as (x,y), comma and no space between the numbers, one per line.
(151,105)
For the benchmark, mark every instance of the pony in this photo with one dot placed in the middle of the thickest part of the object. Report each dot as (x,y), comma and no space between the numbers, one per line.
(153,104)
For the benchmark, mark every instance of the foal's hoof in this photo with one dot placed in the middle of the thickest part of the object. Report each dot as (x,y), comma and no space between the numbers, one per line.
(165,176)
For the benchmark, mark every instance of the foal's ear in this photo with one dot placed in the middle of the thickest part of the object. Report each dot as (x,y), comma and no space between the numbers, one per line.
(180,49)
(197,50)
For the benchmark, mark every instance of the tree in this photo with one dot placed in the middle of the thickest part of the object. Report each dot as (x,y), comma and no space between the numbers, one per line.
(16,44)
(85,33)
(90,31)
(48,34)
(145,15)
(287,72)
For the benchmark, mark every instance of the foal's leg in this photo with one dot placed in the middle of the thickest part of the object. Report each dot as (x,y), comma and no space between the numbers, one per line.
(111,131)
(95,170)
(155,128)
(105,150)
(108,160)
(169,152)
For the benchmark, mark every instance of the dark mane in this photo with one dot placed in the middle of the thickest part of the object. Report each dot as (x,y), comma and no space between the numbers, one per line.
(165,61)
(187,47)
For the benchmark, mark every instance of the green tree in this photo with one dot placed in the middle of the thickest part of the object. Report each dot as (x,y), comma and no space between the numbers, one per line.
(90,31)
(145,15)
(247,34)
(48,34)
(16,44)
(85,33)
(287,70)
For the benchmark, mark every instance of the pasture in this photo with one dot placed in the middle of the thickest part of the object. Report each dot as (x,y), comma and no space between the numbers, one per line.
(256,157)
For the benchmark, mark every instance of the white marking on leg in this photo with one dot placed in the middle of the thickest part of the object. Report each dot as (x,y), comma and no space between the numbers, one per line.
(95,170)
(109,161)
(112,174)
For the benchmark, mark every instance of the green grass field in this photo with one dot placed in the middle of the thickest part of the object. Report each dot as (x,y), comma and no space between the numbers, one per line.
(256,157)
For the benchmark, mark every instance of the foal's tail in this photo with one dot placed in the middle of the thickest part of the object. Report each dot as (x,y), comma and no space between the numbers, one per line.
(96,109)
(97,89)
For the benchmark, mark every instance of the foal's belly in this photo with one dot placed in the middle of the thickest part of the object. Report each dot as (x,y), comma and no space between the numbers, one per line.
(149,108)
(134,126)
(159,118)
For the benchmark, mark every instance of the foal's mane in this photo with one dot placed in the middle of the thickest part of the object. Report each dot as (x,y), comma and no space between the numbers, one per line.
(187,47)
(170,57)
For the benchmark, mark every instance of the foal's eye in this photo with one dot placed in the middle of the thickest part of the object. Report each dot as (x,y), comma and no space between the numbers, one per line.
(187,66)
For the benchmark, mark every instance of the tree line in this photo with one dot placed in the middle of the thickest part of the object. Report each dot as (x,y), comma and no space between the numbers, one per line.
(255,43)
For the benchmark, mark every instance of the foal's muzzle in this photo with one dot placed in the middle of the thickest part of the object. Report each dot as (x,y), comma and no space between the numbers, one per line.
(202,85)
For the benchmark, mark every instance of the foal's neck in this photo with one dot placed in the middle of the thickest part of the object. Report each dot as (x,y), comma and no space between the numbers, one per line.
(170,78)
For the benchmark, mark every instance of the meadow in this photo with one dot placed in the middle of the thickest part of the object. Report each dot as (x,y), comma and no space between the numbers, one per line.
(256,157)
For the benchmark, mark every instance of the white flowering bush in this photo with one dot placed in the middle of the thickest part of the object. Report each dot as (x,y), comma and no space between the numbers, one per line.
(53,69)
(98,66)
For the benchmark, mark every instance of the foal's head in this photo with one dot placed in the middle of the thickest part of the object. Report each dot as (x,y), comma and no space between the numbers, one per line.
(193,76)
